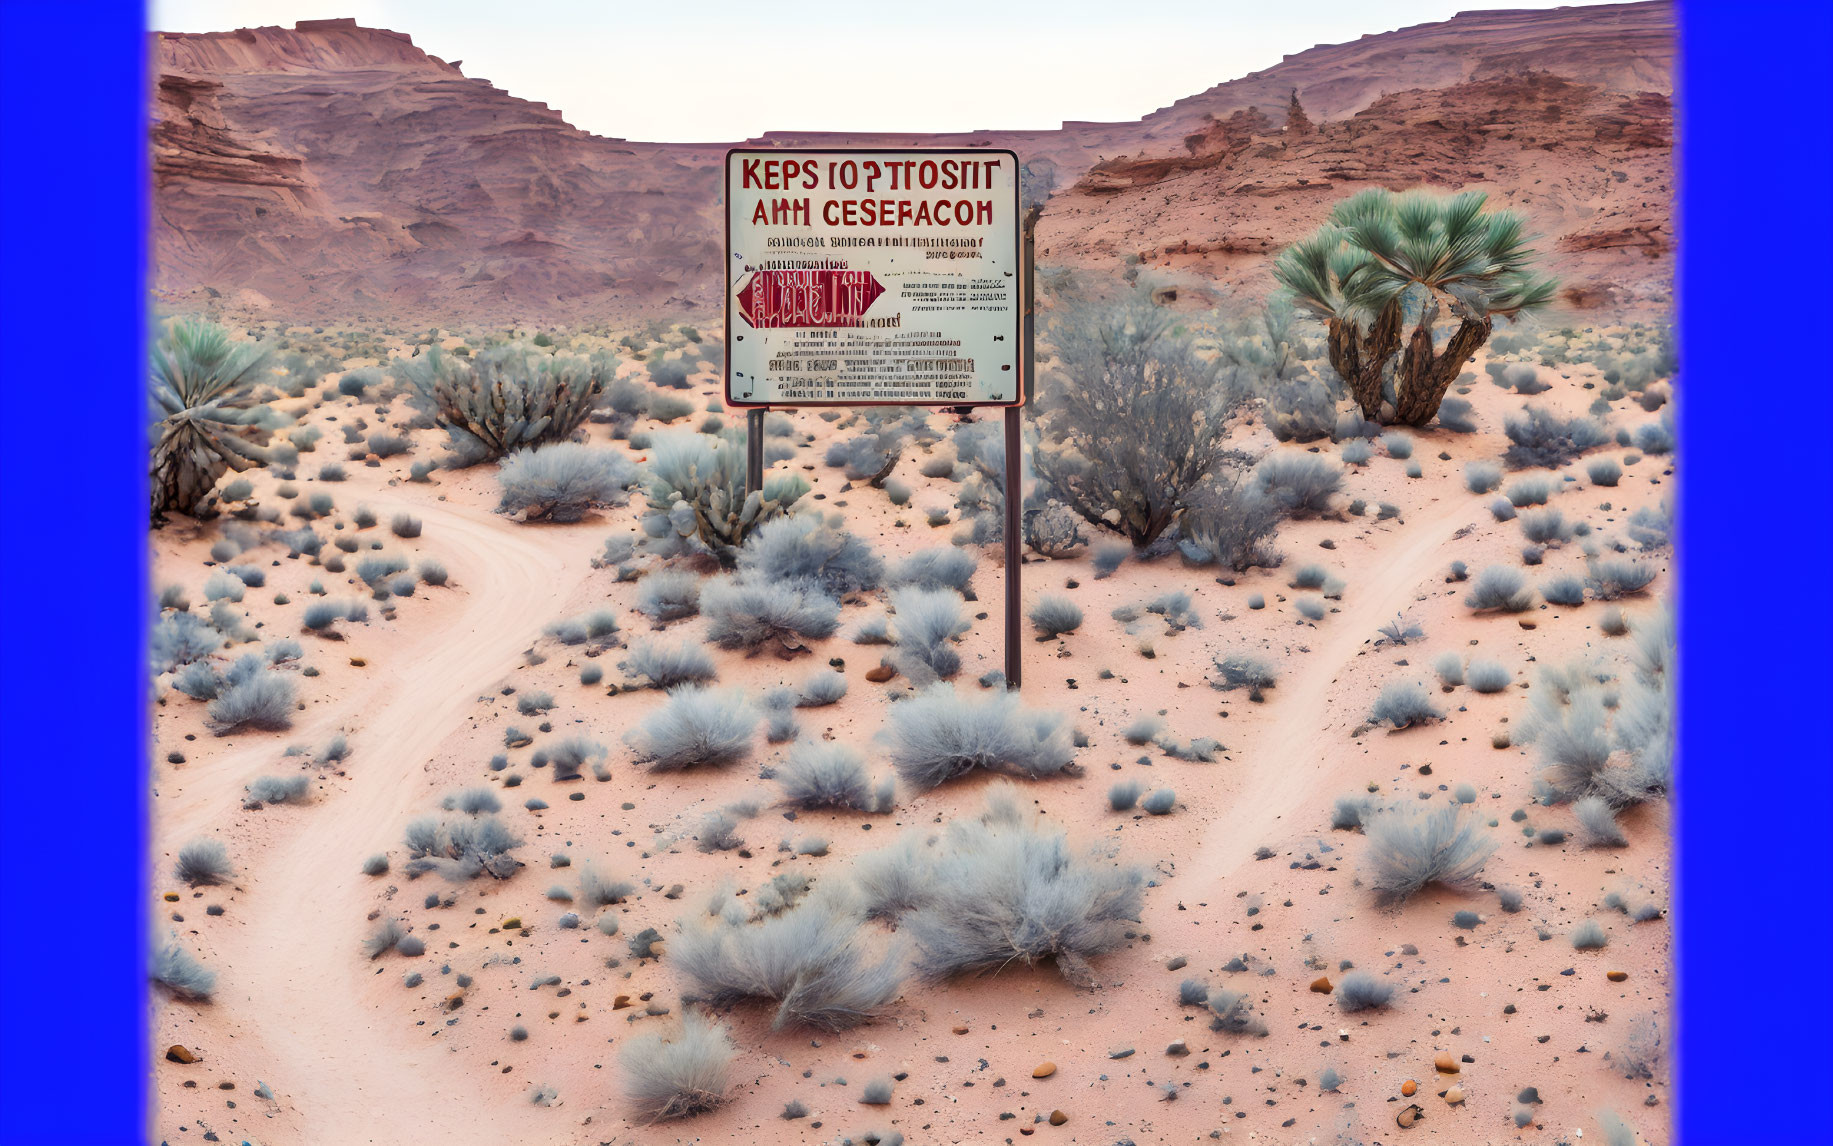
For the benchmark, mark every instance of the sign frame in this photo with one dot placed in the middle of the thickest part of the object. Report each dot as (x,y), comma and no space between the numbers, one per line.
(1021,272)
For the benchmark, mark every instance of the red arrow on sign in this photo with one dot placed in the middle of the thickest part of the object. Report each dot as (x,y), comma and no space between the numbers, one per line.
(807,298)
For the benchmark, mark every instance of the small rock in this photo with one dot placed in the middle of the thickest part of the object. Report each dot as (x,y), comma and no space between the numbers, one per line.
(1178,1049)
(1120,1052)
(1177,964)
(1057,1118)
(178,1053)
(513,923)
(1445,1064)
(1321,985)
(1408,1116)
(1044,1070)
(358,662)
(1454,1096)
(960,1030)
(1616,976)
(881,674)
(1409,1088)
(1528,1094)
(171,897)
(621,1002)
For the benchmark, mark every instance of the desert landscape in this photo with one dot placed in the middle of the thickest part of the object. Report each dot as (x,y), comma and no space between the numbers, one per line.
(517,778)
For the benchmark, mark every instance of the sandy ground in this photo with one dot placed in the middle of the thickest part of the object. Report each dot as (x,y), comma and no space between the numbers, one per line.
(352,1055)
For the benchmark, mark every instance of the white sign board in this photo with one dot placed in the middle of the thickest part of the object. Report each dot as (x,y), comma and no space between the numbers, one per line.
(858,278)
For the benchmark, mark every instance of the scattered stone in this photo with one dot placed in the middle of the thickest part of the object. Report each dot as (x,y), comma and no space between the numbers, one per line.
(1409,1088)
(171,897)
(1178,1049)
(1445,1064)
(1528,1094)
(1454,1096)
(881,674)
(1120,1052)
(1177,964)
(1044,1070)
(1321,985)
(358,662)
(1616,976)
(513,923)
(1057,1118)
(1408,1116)
(960,1030)
(179,1053)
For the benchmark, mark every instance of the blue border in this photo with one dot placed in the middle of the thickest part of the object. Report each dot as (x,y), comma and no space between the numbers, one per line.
(72,492)
(1756,754)
(1752,916)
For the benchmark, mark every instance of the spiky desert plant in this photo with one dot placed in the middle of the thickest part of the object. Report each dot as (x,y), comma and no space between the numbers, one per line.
(695,487)
(937,736)
(205,416)
(680,1076)
(562,480)
(504,398)
(1409,848)
(1381,257)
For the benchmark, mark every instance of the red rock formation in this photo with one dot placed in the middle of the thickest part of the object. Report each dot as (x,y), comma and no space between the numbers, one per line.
(335,171)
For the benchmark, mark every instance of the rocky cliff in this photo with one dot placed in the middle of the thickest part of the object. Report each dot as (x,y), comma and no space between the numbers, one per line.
(338,172)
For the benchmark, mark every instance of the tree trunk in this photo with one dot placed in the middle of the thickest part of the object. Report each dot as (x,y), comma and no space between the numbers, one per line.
(1425,376)
(1359,359)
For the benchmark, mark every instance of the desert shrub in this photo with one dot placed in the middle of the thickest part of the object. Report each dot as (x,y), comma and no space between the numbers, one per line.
(223,588)
(198,681)
(563,480)
(386,445)
(505,398)
(598,890)
(569,757)
(937,736)
(1361,991)
(668,595)
(1192,993)
(462,849)
(1613,623)
(1589,936)
(812,961)
(1450,670)
(1597,822)
(1410,848)
(694,485)
(1000,888)
(1143,730)
(181,639)
(823,774)
(263,700)
(679,1077)
(745,613)
(433,573)
(1297,484)
(177,971)
(809,549)
(928,621)
(1347,813)
(1403,704)
(1138,417)
(1356,452)
(1488,676)
(404,525)
(530,703)
(1457,415)
(876,1092)
(1529,491)
(474,801)
(1541,438)
(383,938)
(1399,446)
(1233,1013)
(205,412)
(1124,794)
(203,863)
(1160,802)
(277,790)
(1053,616)
(1545,527)
(1231,523)
(1656,438)
(696,728)
(1401,630)
(666,666)
(1612,578)
(822,689)
(1241,670)
(944,567)
(897,492)
(1309,609)
(1604,472)
(1106,559)
(1309,577)
(1482,477)
(1564,590)
(1499,587)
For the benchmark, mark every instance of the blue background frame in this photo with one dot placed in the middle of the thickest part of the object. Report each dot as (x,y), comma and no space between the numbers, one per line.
(1756,771)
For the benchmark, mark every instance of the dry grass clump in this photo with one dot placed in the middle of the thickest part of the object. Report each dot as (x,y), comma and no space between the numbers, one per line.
(937,736)
(1410,848)
(680,1076)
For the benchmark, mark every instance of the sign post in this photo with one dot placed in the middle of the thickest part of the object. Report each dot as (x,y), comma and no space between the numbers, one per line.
(893,277)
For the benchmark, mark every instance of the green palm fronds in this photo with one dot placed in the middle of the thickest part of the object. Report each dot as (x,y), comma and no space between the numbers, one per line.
(206,419)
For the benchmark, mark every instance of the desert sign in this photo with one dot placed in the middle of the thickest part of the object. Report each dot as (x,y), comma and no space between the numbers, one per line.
(857,278)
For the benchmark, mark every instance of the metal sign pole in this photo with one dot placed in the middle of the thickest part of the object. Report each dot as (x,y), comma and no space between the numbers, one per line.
(754,449)
(1015,444)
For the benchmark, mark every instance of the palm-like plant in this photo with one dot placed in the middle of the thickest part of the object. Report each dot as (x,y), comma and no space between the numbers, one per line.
(1381,258)
(206,419)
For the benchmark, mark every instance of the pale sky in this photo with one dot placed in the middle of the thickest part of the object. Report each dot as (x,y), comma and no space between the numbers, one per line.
(722,70)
